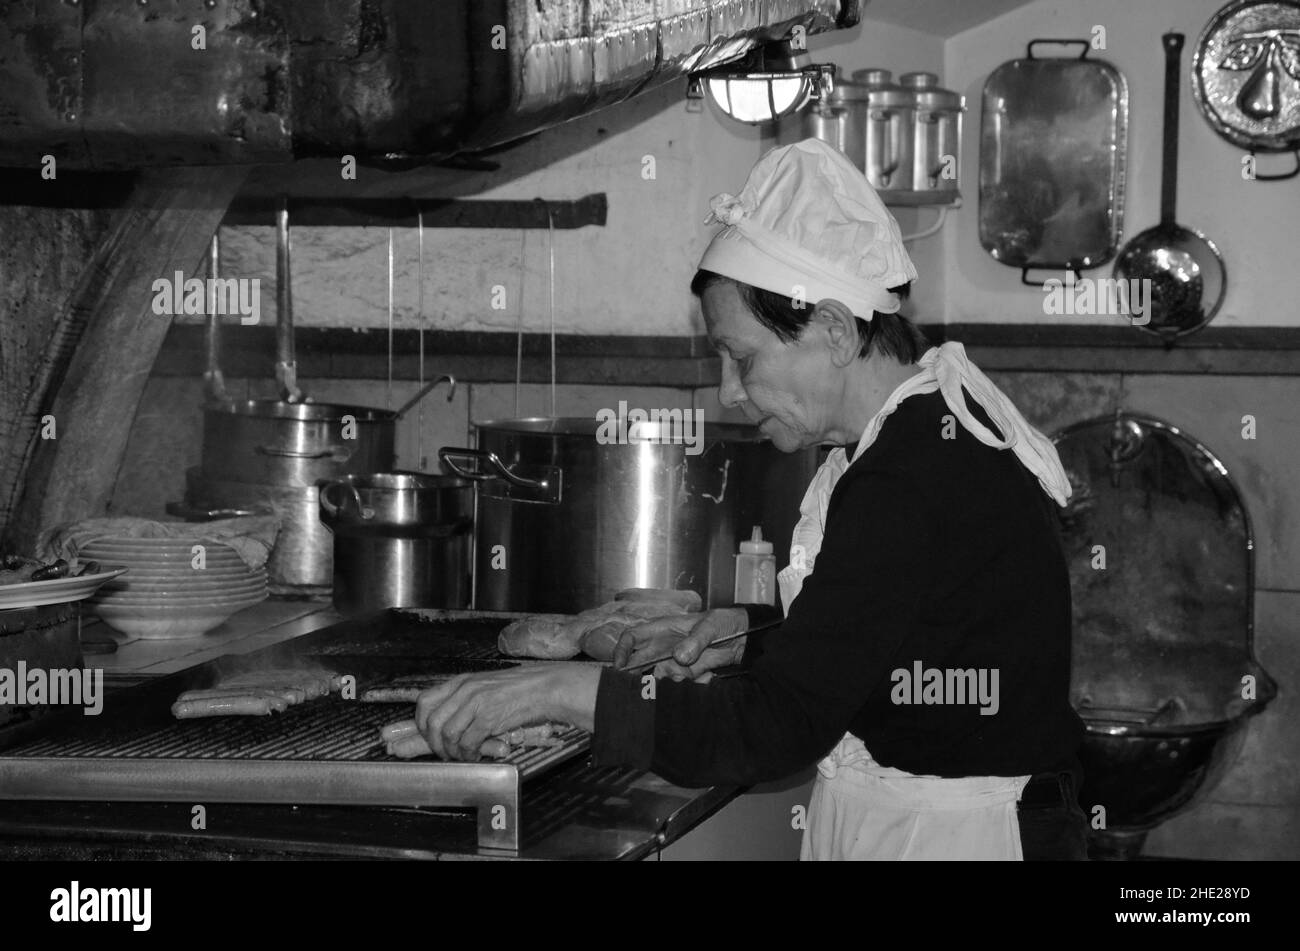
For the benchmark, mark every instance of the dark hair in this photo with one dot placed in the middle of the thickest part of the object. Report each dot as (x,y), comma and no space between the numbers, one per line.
(893,334)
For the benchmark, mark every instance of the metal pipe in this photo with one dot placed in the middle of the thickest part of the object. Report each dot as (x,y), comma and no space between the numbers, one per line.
(214,383)
(286,367)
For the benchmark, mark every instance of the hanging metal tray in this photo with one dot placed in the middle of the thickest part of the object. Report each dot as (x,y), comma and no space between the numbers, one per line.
(1053,151)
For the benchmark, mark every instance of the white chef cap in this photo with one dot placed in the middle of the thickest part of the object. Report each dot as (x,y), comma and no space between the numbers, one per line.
(808,219)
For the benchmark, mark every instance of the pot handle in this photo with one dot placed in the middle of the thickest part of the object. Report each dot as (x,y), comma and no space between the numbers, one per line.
(526,490)
(292,453)
(333,507)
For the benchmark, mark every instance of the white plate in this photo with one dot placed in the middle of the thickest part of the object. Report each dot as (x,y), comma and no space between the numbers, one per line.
(34,594)
(156,599)
(154,626)
(223,555)
(160,544)
(194,574)
(183,585)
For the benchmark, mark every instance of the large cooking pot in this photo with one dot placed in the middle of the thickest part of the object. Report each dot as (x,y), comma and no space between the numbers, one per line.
(401,539)
(565,520)
(274,442)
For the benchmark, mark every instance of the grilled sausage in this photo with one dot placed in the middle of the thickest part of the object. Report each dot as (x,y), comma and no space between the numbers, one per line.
(225,707)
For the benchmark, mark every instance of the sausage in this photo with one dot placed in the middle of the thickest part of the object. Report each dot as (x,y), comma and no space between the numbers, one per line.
(395,731)
(223,707)
(403,740)
(281,698)
(392,694)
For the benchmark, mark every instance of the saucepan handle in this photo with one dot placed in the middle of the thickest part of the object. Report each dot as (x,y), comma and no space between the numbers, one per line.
(489,468)
(332,507)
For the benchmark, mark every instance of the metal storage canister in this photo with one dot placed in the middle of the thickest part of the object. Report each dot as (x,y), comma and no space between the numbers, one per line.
(401,539)
(888,128)
(936,119)
(272,442)
(840,121)
(646,512)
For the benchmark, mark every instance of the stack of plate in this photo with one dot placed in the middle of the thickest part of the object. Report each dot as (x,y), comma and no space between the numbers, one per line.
(169,590)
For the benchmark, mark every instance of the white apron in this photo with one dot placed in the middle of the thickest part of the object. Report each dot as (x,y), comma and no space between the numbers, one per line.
(860,809)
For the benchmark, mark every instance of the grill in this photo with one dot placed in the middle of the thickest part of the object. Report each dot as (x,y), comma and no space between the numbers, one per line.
(323,752)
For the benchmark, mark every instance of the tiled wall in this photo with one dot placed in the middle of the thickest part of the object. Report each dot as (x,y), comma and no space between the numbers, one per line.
(1253,813)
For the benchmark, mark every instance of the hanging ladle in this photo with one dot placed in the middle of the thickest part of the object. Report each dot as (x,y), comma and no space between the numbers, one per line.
(1185,269)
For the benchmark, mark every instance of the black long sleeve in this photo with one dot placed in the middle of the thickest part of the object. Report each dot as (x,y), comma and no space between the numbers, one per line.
(937,552)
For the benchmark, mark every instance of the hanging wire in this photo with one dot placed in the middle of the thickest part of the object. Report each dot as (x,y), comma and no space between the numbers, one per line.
(519,340)
(419,413)
(390,318)
(550,242)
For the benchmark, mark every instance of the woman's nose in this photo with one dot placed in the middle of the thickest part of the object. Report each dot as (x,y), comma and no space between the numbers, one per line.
(731,392)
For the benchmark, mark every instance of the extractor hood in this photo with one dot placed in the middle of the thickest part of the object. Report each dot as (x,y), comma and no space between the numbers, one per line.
(120,84)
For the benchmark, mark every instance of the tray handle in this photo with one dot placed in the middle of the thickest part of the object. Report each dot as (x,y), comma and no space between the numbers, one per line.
(1024,275)
(1280,176)
(1029,50)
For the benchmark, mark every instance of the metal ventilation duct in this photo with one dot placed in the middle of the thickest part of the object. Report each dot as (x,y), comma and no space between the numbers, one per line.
(118,84)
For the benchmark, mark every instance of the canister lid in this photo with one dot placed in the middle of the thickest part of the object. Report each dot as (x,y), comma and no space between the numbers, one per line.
(927,93)
(873,77)
(845,91)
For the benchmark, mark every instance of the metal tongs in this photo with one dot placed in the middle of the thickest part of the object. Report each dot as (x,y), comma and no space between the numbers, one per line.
(714,643)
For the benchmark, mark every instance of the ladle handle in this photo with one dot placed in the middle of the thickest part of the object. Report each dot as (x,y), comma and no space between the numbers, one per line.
(1173,43)
(425,391)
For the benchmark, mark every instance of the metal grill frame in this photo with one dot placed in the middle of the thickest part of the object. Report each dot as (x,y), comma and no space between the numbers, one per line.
(491,789)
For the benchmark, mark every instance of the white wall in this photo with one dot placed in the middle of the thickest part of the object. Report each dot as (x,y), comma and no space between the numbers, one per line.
(876,45)
(1255,224)
(629,277)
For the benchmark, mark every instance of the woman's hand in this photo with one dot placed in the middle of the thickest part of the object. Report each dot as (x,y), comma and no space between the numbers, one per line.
(686,637)
(455,718)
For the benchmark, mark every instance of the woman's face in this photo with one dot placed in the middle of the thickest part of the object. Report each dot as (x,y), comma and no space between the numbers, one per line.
(788,389)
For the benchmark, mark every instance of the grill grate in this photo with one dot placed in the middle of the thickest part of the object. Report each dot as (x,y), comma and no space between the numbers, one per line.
(333,730)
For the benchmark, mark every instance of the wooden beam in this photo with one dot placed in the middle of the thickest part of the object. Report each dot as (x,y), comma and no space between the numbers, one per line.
(166,227)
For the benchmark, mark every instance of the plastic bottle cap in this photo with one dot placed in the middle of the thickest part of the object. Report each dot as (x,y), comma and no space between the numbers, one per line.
(756,545)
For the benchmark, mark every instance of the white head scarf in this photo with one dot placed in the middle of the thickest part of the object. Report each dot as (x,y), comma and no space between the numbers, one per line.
(808,225)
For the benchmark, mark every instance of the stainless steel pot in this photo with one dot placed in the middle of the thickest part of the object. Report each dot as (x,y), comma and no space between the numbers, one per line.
(565,520)
(301,563)
(401,539)
(272,442)
(46,637)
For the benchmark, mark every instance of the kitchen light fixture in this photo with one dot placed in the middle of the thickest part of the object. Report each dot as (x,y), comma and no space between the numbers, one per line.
(771,82)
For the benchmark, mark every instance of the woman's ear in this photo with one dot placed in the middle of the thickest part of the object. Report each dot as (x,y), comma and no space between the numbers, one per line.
(840,330)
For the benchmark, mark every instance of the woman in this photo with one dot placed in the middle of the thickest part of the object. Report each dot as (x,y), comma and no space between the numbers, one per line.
(925,662)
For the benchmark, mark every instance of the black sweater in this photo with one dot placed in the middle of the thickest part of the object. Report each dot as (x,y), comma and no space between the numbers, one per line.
(937,551)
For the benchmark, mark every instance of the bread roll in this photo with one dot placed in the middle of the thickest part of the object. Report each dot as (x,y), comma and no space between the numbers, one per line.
(547,636)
